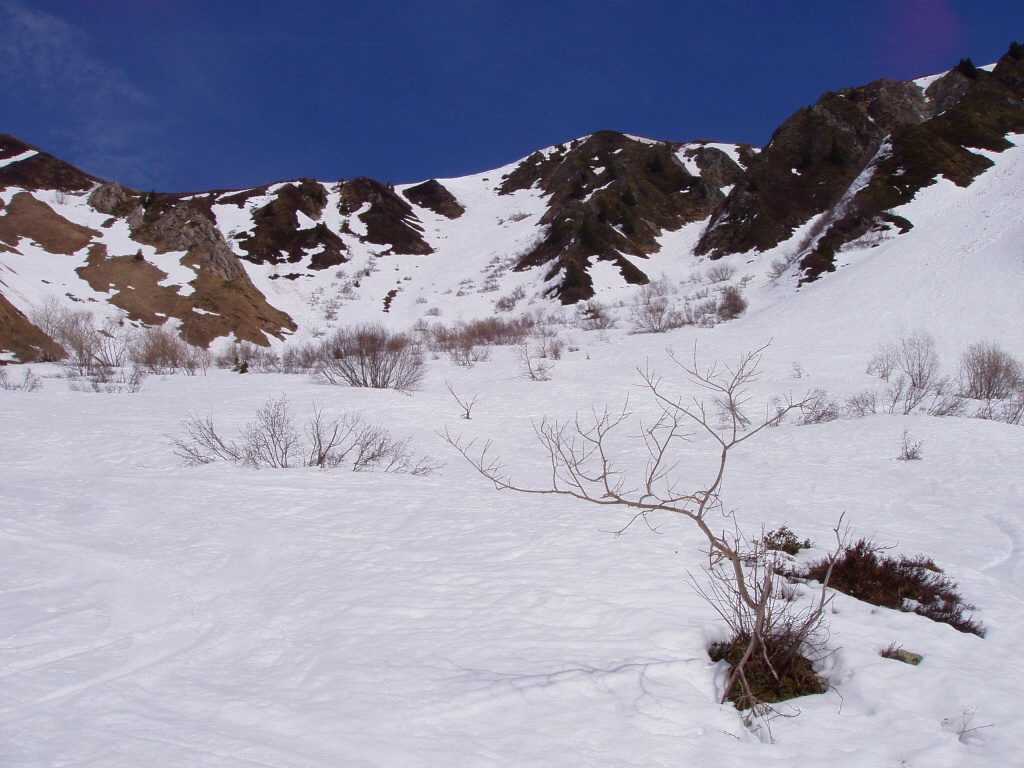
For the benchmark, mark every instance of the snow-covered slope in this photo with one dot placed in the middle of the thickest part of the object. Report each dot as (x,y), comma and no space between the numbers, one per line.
(155,613)
(224,616)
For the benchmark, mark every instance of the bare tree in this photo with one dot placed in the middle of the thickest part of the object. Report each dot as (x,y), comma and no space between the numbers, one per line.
(988,372)
(112,343)
(582,459)
(465,403)
(77,334)
(48,317)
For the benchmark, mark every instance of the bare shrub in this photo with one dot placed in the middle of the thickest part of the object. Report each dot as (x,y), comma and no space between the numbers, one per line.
(508,303)
(818,408)
(720,273)
(370,355)
(652,310)
(108,380)
(913,354)
(768,648)
(781,265)
(244,356)
(918,359)
(549,343)
(532,365)
(945,400)
(48,317)
(731,303)
(987,372)
(593,316)
(938,399)
(703,313)
(77,334)
(914,584)
(910,449)
(1009,411)
(112,343)
(161,351)
(655,316)
(299,358)
(272,440)
(202,444)
(861,404)
(466,354)
(29,381)
(489,331)
(465,403)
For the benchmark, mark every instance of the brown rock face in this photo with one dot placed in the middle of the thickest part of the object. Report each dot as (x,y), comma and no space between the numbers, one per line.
(906,137)
(434,196)
(276,237)
(222,286)
(390,220)
(810,162)
(611,198)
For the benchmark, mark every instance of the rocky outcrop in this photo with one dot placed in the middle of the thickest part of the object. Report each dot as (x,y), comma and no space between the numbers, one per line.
(389,220)
(809,164)
(111,198)
(905,138)
(434,196)
(222,291)
(611,197)
(277,236)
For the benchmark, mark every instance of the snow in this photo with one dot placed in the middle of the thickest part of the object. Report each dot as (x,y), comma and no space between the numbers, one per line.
(688,162)
(5,161)
(225,616)
(924,82)
(217,615)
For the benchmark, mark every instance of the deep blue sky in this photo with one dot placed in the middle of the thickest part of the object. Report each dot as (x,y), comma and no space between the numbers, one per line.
(199,94)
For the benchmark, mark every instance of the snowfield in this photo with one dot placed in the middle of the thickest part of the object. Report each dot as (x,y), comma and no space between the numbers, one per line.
(155,613)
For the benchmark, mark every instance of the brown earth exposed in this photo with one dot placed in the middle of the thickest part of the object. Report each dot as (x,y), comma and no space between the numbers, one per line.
(41,171)
(29,218)
(18,335)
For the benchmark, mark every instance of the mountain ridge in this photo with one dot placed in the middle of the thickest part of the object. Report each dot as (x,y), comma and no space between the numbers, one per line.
(560,225)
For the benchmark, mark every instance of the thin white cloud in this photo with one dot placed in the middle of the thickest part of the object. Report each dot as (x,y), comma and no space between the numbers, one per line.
(87,108)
